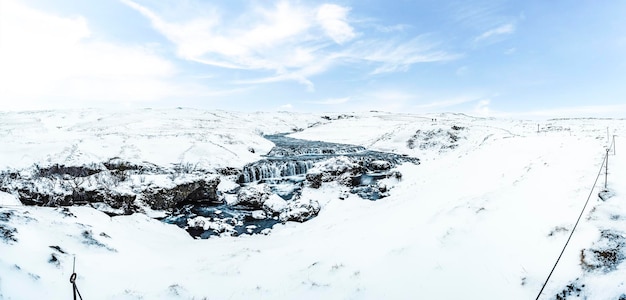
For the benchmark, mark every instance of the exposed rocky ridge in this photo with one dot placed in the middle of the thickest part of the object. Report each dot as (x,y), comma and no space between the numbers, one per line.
(437,139)
(269,190)
(123,186)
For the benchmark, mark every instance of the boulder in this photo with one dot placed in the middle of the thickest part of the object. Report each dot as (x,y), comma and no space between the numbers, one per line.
(379,165)
(300,210)
(275,204)
(253,196)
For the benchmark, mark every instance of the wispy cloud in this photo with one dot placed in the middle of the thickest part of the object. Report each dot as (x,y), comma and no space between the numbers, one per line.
(489,20)
(331,101)
(285,107)
(392,28)
(333,18)
(476,14)
(482,108)
(608,111)
(391,56)
(447,103)
(505,29)
(47,58)
(294,41)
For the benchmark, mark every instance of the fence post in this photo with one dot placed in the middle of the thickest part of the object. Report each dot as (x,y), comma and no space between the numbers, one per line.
(606,170)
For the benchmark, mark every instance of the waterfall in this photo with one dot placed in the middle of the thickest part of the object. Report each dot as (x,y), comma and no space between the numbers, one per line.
(265,169)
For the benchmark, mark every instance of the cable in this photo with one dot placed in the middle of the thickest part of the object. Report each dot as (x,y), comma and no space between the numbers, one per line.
(573,229)
(73,281)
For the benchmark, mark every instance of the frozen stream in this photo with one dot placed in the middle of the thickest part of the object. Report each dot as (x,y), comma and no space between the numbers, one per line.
(286,171)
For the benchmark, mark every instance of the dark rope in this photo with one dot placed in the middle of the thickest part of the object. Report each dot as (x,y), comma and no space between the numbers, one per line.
(76,290)
(573,229)
(73,281)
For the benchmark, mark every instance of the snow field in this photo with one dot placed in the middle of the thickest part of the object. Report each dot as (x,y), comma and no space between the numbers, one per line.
(482,220)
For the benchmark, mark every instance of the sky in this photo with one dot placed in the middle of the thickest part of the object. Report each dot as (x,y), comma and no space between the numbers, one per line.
(495,58)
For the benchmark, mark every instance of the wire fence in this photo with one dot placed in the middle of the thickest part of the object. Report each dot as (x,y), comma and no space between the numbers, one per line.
(605,166)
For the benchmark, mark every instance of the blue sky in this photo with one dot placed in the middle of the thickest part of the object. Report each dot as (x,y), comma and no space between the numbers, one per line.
(490,58)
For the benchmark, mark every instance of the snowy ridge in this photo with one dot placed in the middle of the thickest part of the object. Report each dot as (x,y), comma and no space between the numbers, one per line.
(484,215)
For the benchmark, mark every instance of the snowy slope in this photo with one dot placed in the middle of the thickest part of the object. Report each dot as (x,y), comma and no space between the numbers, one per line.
(484,216)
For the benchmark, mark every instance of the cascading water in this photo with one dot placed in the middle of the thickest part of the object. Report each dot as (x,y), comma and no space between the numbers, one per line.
(272,169)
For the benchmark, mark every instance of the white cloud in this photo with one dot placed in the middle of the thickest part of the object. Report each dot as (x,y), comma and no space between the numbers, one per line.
(285,107)
(446,103)
(47,58)
(332,101)
(392,28)
(295,41)
(505,29)
(272,39)
(333,17)
(392,95)
(482,108)
(392,56)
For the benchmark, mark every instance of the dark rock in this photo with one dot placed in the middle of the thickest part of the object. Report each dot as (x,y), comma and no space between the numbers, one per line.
(457,128)
(574,289)
(228,171)
(201,191)
(79,196)
(379,165)
(73,171)
(54,260)
(606,253)
(7,234)
(66,212)
(58,249)
(5,216)
(314,180)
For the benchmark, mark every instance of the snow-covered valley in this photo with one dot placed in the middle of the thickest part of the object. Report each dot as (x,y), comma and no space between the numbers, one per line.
(472,208)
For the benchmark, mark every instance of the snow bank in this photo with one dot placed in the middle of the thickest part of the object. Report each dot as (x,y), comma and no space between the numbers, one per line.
(9,200)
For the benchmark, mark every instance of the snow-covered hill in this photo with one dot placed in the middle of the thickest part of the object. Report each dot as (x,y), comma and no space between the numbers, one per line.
(483,216)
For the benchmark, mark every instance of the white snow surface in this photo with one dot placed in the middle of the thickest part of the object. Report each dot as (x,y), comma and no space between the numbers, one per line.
(7,199)
(483,219)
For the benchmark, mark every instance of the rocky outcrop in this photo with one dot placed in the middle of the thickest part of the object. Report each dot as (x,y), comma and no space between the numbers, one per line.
(115,184)
(197,192)
(360,175)
(253,199)
(437,139)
